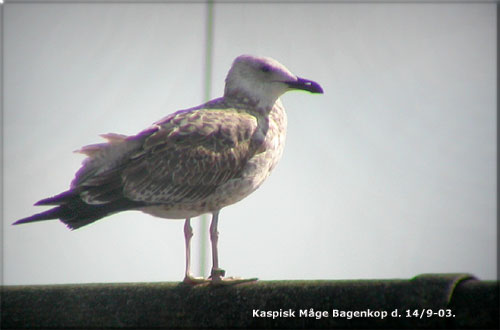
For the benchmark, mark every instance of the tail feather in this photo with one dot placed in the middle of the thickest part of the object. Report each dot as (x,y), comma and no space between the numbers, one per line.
(75,213)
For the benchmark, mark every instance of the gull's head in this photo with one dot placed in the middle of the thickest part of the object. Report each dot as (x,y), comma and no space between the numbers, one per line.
(262,80)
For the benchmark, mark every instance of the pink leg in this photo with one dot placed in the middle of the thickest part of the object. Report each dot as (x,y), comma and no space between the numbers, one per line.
(188,234)
(217,273)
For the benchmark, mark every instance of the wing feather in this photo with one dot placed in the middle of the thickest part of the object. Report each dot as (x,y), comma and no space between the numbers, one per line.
(183,158)
(191,155)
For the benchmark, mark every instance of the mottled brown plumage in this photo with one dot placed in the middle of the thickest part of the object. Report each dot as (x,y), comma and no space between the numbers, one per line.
(191,162)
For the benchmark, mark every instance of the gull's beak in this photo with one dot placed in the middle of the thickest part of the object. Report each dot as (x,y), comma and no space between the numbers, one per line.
(306,85)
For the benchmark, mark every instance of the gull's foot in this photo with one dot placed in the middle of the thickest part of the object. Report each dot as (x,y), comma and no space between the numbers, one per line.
(191,280)
(233,280)
(219,279)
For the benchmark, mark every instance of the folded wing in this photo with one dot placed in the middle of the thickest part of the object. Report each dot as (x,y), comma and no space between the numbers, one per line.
(181,159)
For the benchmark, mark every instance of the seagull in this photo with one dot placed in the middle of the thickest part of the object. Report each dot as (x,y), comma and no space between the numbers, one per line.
(189,163)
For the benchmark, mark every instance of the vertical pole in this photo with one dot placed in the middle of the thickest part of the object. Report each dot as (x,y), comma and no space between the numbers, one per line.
(203,228)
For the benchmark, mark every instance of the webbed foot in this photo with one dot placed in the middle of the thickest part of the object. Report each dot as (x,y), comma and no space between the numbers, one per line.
(218,278)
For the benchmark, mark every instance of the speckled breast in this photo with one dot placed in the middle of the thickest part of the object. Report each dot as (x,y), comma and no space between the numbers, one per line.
(270,142)
(258,167)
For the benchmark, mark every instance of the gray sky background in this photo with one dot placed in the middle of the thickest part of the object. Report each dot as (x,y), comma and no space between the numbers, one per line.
(390,174)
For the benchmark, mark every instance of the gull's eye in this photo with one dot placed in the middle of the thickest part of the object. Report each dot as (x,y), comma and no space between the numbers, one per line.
(265,68)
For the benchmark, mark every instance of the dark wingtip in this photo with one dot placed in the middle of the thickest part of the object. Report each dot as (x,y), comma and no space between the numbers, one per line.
(22,221)
(59,199)
(18,222)
(51,214)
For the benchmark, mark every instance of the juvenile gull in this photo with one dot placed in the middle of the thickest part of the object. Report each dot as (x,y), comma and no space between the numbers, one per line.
(191,162)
